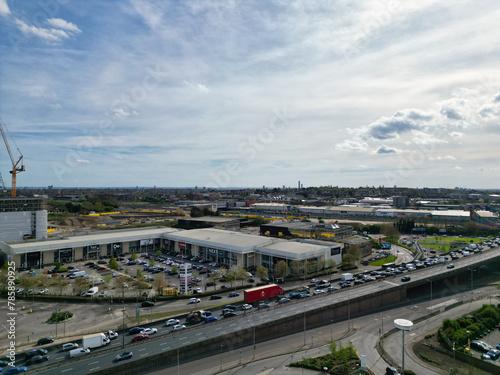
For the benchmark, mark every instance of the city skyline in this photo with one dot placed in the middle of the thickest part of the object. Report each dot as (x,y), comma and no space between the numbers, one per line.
(235,94)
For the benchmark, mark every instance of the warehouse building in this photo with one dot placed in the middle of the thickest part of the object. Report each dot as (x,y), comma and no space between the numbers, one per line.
(228,248)
(319,231)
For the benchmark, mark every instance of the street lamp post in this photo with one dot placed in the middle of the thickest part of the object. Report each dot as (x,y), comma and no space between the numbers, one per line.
(221,357)
(403,325)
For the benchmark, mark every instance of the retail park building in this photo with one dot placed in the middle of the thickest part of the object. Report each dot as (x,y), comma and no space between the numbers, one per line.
(229,248)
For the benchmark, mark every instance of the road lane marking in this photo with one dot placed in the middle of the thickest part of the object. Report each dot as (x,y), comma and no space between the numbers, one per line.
(93,363)
(142,349)
(92,369)
(70,369)
(145,354)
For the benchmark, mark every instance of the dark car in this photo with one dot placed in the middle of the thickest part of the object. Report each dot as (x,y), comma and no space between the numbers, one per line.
(147,304)
(229,314)
(102,262)
(16,370)
(123,356)
(45,340)
(135,330)
(230,307)
(234,294)
(34,352)
(405,278)
(37,359)
(214,296)
(391,371)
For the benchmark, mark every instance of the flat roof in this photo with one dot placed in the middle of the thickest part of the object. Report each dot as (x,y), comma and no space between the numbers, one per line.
(293,249)
(221,239)
(93,238)
(211,219)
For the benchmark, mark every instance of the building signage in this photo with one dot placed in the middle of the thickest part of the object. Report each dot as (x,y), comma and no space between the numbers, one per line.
(94,248)
(117,246)
(182,245)
(146,242)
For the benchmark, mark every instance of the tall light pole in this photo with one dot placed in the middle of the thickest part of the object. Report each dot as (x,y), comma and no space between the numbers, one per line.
(221,357)
(253,342)
(123,326)
(403,325)
(348,311)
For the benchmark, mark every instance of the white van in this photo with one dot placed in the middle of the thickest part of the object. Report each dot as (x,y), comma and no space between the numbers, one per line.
(79,352)
(92,291)
(77,274)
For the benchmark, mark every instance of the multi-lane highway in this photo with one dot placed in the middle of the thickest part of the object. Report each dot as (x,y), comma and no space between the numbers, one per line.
(166,340)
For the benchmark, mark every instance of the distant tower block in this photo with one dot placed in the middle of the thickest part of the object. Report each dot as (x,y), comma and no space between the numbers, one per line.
(299,184)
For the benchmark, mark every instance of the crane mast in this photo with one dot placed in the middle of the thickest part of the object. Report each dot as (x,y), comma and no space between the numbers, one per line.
(15,164)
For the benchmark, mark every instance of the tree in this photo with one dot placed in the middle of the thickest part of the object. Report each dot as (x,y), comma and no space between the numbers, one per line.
(158,252)
(297,268)
(133,256)
(230,277)
(391,232)
(213,279)
(242,275)
(330,266)
(58,265)
(159,282)
(27,281)
(139,273)
(80,285)
(281,269)
(121,284)
(59,282)
(261,272)
(113,263)
(108,278)
(349,260)
(152,262)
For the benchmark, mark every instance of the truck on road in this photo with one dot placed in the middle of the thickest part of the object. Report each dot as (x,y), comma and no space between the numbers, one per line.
(346,277)
(95,341)
(262,292)
(297,292)
(196,317)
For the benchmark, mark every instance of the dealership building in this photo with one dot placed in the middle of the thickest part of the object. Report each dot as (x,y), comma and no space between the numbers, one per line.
(229,248)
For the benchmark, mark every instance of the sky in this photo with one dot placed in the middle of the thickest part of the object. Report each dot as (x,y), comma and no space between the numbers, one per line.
(251,93)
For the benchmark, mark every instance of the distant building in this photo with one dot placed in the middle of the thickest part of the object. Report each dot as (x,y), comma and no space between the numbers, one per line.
(318,231)
(22,218)
(361,244)
(400,202)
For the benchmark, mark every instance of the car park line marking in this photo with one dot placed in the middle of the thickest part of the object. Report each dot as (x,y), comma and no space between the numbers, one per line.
(93,363)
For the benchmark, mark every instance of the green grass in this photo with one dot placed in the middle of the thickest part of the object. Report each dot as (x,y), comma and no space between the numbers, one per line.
(380,262)
(444,244)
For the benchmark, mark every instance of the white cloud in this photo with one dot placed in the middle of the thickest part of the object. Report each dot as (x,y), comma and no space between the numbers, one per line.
(4,8)
(386,150)
(61,30)
(65,25)
(351,145)
(83,161)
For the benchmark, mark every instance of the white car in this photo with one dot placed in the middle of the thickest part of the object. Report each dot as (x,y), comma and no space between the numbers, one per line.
(172,322)
(194,300)
(318,291)
(43,291)
(69,346)
(178,327)
(112,335)
(246,306)
(148,331)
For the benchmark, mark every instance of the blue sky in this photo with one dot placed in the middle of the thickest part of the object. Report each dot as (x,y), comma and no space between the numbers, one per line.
(251,93)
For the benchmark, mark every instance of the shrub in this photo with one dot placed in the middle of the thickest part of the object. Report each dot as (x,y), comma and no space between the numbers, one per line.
(60,316)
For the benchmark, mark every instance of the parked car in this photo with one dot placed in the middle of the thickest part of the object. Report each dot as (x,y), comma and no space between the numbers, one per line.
(103,294)
(391,371)
(45,340)
(172,322)
(123,356)
(69,346)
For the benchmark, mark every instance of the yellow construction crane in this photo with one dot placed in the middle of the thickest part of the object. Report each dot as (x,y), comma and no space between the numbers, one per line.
(16,166)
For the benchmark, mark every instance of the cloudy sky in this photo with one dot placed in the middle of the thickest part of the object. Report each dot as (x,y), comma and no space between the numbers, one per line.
(251,93)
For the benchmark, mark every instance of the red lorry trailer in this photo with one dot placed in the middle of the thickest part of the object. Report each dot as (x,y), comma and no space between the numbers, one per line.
(263,292)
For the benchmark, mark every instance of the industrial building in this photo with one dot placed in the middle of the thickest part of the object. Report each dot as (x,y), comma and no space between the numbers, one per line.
(318,231)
